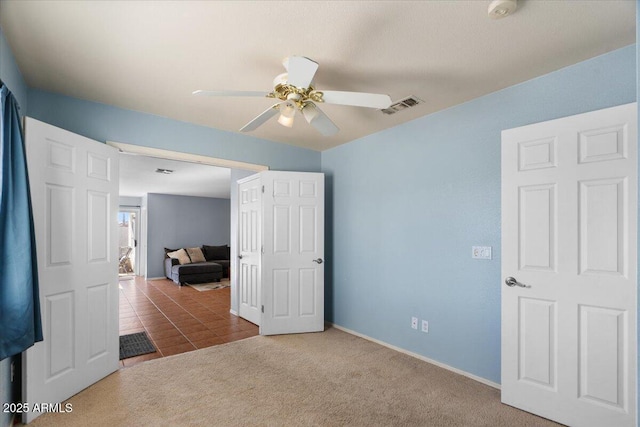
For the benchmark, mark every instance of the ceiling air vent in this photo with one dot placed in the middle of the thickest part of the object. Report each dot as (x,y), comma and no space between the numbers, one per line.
(403,104)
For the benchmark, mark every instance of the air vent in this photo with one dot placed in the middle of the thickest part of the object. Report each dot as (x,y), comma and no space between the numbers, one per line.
(164,171)
(403,104)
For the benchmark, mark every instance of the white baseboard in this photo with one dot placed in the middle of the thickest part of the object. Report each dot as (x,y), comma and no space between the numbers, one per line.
(235,313)
(156,278)
(418,356)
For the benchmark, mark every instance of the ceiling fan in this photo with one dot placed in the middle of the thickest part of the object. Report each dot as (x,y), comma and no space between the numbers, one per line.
(295,92)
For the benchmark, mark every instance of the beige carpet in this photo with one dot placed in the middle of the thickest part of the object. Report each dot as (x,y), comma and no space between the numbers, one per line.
(323,379)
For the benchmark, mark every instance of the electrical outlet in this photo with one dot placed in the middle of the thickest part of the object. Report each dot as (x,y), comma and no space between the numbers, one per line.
(414,323)
(425,326)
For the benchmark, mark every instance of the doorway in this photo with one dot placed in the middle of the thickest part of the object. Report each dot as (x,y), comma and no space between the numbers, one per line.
(128,238)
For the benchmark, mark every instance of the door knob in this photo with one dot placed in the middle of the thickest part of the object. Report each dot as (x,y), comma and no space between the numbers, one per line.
(511,282)
(319,260)
(239,256)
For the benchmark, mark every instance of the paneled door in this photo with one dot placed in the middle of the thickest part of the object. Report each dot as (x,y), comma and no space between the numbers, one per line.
(74,189)
(250,246)
(293,239)
(569,258)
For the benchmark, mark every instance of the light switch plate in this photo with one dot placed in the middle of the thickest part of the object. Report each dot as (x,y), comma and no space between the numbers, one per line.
(481,252)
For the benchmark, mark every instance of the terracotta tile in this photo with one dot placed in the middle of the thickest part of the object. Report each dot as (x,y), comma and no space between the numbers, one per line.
(130,331)
(130,321)
(208,342)
(238,336)
(177,349)
(217,323)
(128,315)
(159,326)
(151,318)
(179,316)
(193,328)
(169,332)
(147,311)
(172,309)
(169,341)
(199,335)
(211,317)
(187,322)
(226,330)
(246,326)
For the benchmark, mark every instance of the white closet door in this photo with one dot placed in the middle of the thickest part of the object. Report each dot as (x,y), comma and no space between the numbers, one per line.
(569,255)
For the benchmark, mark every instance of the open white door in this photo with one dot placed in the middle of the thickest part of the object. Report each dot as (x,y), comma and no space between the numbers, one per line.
(74,189)
(293,240)
(569,258)
(249,242)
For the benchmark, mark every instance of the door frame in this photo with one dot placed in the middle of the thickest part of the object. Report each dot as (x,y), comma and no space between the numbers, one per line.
(205,160)
(138,237)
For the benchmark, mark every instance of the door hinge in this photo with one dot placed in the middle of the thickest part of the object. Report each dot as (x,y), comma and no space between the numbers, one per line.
(262,250)
(263,308)
(263,188)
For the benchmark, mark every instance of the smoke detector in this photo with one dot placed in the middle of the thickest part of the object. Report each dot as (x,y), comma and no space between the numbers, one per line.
(502,8)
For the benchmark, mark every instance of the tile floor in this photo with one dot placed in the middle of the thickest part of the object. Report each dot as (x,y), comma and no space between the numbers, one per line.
(178,318)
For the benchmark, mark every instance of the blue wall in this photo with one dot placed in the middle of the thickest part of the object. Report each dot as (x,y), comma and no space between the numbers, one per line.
(407,204)
(183,221)
(11,76)
(107,123)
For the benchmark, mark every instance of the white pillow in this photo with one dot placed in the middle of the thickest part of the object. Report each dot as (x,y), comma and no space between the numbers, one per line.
(181,255)
(196,254)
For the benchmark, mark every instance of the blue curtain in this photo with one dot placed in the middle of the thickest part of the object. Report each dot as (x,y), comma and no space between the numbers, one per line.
(20,324)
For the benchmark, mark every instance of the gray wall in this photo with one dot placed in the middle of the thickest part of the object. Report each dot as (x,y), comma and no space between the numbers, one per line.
(183,221)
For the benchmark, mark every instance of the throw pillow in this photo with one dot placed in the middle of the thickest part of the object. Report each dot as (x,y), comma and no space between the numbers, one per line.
(167,250)
(213,253)
(181,255)
(196,255)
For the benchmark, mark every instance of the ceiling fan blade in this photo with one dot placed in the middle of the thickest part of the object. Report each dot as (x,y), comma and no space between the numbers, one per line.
(319,120)
(263,117)
(358,99)
(229,93)
(301,70)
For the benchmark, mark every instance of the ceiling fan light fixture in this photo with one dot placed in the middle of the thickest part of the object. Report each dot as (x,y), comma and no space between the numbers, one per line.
(285,121)
(287,113)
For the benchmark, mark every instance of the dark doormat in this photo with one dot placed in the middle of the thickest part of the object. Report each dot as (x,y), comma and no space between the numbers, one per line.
(135,344)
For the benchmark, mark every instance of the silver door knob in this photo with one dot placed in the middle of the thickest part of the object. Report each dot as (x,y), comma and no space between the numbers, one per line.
(319,260)
(239,256)
(511,282)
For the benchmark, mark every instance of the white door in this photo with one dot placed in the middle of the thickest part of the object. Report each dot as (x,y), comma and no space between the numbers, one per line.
(569,219)
(74,190)
(292,265)
(250,242)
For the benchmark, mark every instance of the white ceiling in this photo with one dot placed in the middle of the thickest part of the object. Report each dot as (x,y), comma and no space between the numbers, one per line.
(150,55)
(138,176)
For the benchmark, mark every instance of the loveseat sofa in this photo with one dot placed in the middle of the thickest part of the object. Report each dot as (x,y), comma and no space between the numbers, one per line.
(182,270)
